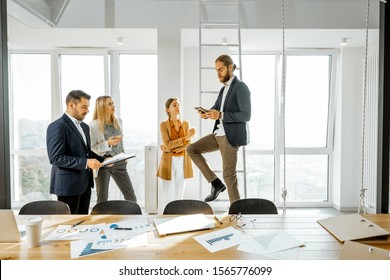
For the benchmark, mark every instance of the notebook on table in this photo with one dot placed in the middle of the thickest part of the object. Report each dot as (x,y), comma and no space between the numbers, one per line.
(9,230)
(181,224)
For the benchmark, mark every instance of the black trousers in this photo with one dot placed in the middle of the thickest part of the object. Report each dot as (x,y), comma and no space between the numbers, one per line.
(78,204)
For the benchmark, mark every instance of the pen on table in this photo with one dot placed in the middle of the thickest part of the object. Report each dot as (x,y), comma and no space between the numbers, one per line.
(79,222)
(215,218)
(123,228)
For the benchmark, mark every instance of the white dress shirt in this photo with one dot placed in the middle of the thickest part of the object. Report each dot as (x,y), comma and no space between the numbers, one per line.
(77,123)
(220,131)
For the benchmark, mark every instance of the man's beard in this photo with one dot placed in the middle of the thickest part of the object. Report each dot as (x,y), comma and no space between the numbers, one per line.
(226,78)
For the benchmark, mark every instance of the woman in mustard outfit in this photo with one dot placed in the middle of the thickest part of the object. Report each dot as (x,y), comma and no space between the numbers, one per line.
(175,165)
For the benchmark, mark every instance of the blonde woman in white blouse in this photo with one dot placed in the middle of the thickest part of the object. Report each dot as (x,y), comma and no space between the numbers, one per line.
(106,141)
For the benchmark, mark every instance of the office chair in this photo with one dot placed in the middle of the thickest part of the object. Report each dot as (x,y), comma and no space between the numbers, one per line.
(253,206)
(187,206)
(45,207)
(117,207)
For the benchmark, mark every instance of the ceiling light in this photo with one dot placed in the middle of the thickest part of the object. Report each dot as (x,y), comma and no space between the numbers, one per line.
(119,41)
(343,42)
(224,41)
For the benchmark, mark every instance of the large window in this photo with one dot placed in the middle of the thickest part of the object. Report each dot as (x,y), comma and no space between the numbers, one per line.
(36,102)
(260,162)
(307,122)
(138,107)
(85,72)
(307,127)
(31,114)
(307,101)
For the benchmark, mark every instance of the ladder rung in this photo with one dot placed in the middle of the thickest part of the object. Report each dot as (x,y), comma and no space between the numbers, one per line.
(209,23)
(218,2)
(219,45)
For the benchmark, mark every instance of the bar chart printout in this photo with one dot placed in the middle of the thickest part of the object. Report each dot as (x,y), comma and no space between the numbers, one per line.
(221,239)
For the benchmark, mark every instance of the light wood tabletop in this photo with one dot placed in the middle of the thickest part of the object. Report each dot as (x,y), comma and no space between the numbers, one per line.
(318,243)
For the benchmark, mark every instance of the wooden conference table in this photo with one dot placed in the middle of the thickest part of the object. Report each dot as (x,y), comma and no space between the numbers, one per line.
(319,243)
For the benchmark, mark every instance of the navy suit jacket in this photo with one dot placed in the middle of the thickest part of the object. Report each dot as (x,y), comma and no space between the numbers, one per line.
(68,155)
(236,112)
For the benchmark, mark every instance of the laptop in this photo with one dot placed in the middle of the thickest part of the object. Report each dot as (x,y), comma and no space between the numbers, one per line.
(9,231)
(181,224)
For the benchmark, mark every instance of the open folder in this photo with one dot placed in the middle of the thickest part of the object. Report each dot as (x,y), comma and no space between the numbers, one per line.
(184,223)
(118,158)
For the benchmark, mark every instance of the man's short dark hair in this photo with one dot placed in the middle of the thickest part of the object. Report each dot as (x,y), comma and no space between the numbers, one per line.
(75,96)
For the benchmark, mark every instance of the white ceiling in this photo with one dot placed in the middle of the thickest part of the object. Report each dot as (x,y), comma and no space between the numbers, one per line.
(309,24)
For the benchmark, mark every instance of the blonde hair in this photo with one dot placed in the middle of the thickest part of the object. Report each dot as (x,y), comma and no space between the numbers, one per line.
(100,114)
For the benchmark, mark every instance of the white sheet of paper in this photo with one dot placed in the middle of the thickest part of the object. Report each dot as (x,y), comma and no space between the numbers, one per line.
(221,239)
(184,223)
(289,254)
(131,228)
(130,241)
(66,232)
(270,243)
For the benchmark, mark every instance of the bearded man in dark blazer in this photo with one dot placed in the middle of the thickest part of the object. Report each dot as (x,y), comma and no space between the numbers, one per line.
(69,150)
(231,113)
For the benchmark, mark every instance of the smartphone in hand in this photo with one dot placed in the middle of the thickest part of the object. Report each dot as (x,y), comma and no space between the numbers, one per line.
(201,109)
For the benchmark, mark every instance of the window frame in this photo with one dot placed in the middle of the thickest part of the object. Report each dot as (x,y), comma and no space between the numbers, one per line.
(278,151)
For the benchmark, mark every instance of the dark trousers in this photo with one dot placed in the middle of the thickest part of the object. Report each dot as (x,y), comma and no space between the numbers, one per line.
(119,173)
(78,204)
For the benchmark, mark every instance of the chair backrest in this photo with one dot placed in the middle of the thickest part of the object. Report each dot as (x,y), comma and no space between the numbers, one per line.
(187,206)
(117,207)
(45,207)
(253,206)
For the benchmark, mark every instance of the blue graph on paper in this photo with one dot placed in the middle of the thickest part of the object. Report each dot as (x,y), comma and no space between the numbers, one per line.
(220,239)
(217,239)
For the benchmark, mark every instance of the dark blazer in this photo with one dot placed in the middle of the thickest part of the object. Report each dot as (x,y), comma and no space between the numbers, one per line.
(68,155)
(236,113)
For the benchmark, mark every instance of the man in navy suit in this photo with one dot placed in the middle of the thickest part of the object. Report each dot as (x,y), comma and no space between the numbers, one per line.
(231,112)
(69,150)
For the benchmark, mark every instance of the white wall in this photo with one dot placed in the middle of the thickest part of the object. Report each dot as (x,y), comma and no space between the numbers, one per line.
(348,130)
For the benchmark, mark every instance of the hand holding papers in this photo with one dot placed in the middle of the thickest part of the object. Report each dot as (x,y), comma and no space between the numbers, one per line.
(117,158)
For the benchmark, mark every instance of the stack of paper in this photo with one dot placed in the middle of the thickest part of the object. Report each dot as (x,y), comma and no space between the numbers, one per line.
(118,158)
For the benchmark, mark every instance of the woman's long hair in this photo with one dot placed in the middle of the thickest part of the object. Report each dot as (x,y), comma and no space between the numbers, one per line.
(100,114)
